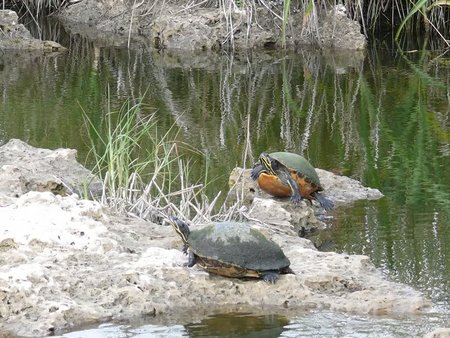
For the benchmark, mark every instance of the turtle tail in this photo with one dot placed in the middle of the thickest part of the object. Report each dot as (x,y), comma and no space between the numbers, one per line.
(325,203)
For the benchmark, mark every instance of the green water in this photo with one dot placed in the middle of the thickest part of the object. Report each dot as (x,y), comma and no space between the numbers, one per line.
(382,118)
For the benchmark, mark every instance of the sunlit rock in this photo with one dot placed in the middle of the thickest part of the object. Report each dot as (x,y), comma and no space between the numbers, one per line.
(438,333)
(24,168)
(64,262)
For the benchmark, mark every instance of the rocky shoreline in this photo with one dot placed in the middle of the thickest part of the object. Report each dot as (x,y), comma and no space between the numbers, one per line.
(67,261)
(176,26)
(14,36)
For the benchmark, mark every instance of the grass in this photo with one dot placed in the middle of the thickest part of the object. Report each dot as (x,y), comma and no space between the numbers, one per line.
(146,174)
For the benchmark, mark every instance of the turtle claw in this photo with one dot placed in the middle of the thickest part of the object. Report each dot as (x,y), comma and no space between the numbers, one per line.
(325,203)
(296,200)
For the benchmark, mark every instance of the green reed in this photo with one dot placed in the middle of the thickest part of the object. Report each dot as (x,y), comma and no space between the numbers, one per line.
(143,171)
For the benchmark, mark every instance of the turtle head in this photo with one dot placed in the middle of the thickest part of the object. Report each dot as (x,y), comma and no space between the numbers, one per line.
(269,163)
(181,228)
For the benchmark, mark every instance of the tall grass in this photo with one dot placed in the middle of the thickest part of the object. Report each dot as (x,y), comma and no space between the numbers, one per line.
(143,172)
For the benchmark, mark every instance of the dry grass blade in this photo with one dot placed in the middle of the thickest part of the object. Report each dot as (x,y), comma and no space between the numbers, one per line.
(153,185)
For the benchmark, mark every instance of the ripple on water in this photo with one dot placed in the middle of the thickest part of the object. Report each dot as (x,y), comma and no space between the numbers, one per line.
(312,324)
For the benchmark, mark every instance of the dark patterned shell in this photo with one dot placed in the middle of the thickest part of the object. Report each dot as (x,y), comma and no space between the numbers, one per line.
(237,244)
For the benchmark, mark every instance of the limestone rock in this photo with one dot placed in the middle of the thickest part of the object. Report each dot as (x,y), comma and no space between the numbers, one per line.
(16,37)
(197,28)
(69,266)
(344,190)
(24,168)
(284,217)
(64,262)
(339,31)
(438,333)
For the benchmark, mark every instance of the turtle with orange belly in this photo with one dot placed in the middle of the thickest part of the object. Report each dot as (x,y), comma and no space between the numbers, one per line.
(284,174)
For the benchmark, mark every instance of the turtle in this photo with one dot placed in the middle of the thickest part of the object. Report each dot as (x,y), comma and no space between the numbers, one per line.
(284,174)
(232,249)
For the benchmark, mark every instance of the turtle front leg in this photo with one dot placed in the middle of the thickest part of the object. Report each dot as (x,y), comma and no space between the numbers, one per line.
(270,277)
(192,260)
(296,197)
(256,171)
(185,249)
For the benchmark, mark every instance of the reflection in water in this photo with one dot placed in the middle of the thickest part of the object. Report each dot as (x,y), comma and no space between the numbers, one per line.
(330,325)
(238,325)
(409,244)
(313,324)
(122,331)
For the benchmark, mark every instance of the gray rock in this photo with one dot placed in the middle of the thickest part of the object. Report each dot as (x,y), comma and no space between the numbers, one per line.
(344,190)
(24,168)
(340,32)
(64,261)
(14,36)
(176,27)
(69,263)
(438,333)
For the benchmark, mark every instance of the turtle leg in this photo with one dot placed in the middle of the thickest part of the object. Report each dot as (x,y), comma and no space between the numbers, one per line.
(270,277)
(286,178)
(325,203)
(185,249)
(296,195)
(256,171)
(192,260)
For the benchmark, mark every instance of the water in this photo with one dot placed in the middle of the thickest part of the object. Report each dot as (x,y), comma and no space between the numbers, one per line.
(240,325)
(382,118)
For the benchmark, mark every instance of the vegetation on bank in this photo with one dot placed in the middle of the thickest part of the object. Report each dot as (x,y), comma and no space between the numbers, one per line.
(146,174)
(393,18)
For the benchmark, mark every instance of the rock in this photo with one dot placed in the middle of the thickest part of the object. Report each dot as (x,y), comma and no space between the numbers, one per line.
(70,266)
(340,32)
(176,27)
(345,190)
(15,36)
(8,244)
(282,216)
(438,333)
(65,262)
(24,168)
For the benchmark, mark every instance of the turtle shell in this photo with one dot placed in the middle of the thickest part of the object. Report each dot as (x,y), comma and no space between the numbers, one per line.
(302,172)
(236,250)
(298,164)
